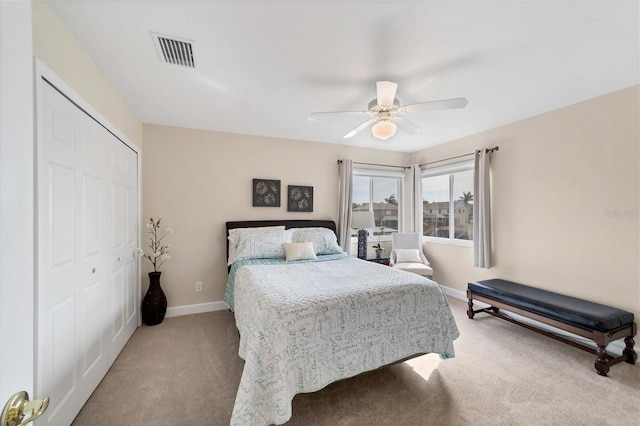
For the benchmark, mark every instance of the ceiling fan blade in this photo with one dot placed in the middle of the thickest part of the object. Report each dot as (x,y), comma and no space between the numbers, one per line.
(406,126)
(360,128)
(386,92)
(316,115)
(435,105)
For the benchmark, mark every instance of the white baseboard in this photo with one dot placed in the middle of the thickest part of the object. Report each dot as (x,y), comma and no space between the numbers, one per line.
(453,292)
(615,348)
(200,308)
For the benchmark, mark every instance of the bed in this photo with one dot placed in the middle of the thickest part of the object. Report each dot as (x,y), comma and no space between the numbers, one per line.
(309,314)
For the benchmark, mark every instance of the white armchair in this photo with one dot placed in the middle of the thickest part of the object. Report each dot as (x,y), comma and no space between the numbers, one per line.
(407,255)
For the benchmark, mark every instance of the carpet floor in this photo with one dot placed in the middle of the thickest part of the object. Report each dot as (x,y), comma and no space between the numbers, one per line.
(186,371)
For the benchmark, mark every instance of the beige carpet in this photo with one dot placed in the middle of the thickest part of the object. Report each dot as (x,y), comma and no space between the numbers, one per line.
(186,370)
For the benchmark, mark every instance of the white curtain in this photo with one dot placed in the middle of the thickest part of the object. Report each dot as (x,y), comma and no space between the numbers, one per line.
(481,211)
(416,213)
(344,204)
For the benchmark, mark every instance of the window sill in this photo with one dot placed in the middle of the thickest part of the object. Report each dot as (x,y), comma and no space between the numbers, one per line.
(460,243)
(374,239)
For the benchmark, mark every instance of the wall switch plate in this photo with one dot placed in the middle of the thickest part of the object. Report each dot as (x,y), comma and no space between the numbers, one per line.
(199,287)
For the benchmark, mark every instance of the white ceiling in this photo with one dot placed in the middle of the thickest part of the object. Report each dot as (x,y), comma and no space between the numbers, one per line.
(263,66)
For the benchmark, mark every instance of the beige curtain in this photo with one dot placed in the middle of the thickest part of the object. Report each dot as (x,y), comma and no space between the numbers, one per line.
(416,220)
(344,204)
(481,211)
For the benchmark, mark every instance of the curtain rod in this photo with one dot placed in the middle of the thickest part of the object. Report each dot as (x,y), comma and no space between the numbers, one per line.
(374,164)
(488,150)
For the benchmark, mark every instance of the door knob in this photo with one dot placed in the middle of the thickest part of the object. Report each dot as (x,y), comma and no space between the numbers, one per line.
(14,411)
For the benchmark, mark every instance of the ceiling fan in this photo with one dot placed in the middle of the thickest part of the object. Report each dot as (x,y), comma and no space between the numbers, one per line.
(387,113)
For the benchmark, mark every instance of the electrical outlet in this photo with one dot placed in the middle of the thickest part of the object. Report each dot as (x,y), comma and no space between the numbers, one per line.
(199,287)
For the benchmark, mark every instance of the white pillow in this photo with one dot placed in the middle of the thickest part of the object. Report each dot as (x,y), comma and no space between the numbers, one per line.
(299,251)
(408,256)
(324,239)
(233,254)
(258,245)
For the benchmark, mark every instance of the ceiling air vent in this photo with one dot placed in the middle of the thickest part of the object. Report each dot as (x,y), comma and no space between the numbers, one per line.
(173,50)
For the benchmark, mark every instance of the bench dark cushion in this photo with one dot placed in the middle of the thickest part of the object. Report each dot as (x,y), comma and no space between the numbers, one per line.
(566,309)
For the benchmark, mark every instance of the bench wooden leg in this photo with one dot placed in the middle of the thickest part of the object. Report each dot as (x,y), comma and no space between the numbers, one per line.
(631,355)
(602,365)
(470,312)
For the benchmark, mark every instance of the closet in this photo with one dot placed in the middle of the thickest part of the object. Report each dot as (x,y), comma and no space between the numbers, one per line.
(87,229)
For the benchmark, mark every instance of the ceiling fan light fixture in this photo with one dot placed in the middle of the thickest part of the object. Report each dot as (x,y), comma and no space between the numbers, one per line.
(384,129)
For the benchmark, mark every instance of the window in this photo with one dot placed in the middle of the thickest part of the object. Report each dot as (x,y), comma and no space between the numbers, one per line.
(380,191)
(448,190)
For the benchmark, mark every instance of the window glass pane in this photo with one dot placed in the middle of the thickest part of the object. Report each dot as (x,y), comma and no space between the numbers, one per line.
(435,206)
(383,196)
(385,204)
(360,196)
(463,203)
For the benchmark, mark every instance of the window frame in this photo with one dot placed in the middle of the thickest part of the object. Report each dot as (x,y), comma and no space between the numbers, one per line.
(377,173)
(450,170)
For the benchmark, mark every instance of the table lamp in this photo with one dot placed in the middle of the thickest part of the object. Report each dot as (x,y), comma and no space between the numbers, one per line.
(361,220)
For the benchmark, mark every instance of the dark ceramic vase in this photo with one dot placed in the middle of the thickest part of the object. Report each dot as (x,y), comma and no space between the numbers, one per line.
(154,304)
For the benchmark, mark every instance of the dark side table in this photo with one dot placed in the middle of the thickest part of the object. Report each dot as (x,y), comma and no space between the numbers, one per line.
(383,260)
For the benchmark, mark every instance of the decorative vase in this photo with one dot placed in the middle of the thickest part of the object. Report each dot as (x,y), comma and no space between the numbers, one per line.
(379,253)
(154,304)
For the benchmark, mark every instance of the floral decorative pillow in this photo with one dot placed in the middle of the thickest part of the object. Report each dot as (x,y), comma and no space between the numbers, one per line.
(324,239)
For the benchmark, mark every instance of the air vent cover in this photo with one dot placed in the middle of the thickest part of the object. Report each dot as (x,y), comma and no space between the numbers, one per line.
(174,50)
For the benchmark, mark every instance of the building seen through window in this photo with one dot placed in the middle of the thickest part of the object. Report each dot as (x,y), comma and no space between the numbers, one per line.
(382,195)
(447,206)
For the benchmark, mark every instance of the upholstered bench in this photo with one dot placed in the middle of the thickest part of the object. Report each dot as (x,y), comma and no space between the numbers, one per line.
(600,323)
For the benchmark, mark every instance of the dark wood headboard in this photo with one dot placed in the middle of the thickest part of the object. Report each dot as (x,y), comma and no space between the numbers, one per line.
(287,224)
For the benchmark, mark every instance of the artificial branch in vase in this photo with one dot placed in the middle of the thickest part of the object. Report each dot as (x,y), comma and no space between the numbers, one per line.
(154,304)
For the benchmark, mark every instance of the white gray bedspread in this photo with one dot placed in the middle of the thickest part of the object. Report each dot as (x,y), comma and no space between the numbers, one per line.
(305,325)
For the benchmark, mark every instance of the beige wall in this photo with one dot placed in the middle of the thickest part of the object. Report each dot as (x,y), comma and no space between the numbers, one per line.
(565,202)
(197,180)
(54,45)
(565,187)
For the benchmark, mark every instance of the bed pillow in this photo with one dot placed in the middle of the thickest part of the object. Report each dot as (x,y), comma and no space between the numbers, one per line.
(257,244)
(324,239)
(408,256)
(232,247)
(299,251)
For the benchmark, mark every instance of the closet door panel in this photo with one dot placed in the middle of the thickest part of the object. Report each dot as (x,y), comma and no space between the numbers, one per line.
(124,236)
(93,346)
(61,218)
(117,287)
(132,301)
(72,270)
(130,262)
(62,361)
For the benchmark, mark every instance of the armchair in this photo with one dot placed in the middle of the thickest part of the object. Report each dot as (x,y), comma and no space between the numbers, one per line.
(407,255)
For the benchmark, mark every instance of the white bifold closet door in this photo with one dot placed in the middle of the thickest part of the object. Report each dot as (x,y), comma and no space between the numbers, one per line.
(122,240)
(87,273)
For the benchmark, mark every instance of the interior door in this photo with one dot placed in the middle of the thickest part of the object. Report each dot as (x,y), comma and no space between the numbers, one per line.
(124,300)
(17,248)
(72,274)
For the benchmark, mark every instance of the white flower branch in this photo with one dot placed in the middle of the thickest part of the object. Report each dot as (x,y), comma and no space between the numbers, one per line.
(159,252)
